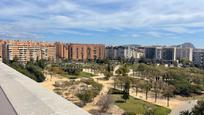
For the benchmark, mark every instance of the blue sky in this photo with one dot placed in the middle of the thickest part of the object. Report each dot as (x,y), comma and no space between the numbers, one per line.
(112,22)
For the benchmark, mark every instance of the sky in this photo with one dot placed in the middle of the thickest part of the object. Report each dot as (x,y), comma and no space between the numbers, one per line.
(110,22)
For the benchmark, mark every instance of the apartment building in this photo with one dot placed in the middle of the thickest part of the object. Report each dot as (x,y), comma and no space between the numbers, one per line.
(83,52)
(153,53)
(137,54)
(62,50)
(24,51)
(51,52)
(184,53)
(198,57)
(169,54)
(123,52)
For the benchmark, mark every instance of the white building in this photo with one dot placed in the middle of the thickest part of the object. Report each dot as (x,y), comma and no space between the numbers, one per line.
(184,53)
(123,52)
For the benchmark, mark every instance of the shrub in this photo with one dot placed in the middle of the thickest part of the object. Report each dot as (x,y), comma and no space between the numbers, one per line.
(73,69)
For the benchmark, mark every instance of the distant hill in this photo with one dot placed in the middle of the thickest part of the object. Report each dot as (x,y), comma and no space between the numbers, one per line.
(132,45)
(187,45)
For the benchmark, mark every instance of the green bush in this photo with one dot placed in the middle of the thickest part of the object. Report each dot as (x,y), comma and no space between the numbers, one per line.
(86,96)
(30,70)
(115,91)
(73,69)
(36,71)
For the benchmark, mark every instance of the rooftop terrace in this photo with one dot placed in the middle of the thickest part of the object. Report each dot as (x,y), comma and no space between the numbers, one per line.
(23,96)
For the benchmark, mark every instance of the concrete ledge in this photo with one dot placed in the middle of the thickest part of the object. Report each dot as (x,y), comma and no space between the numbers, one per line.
(29,98)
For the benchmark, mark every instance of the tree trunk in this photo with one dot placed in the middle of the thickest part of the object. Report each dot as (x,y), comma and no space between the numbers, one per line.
(136,91)
(155,97)
(146,94)
(133,72)
(168,100)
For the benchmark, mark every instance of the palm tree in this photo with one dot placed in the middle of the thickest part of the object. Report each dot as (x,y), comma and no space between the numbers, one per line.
(123,70)
(147,87)
(134,69)
(108,71)
(136,85)
(126,90)
(168,92)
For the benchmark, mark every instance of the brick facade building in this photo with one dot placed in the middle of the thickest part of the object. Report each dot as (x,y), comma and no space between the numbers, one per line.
(83,52)
(27,50)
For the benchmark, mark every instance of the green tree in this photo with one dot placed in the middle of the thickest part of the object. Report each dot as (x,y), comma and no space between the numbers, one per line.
(73,69)
(126,90)
(108,71)
(147,87)
(123,70)
(168,92)
(36,71)
(136,85)
(185,112)
(199,108)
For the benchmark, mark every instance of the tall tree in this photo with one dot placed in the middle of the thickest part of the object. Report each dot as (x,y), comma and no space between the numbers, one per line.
(168,92)
(147,87)
(186,113)
(136,85)
(126,90)
(199,108)
(108,71)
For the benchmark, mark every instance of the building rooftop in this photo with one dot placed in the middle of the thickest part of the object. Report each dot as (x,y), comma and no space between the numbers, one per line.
(6,107)
(23,96)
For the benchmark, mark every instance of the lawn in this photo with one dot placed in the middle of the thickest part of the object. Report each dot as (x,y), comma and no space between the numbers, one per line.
(85,74)
(81,74)
(137,106)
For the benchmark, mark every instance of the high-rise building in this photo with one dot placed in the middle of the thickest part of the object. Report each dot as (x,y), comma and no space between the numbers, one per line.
(153,53)
(184,53)
(169,54)
(51,52)
(198,57)
(62,50)
(110,52)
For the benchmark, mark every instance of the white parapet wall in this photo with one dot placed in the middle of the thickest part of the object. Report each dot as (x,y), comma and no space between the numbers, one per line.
(29,98)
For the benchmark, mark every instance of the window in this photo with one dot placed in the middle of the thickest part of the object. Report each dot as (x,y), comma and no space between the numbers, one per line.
(77,50)
(88,53)
(82,53)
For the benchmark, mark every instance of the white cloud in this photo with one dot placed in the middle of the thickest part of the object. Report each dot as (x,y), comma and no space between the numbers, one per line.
(178,16)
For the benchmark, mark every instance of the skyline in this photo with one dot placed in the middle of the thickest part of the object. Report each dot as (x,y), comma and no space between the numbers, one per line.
(110,22)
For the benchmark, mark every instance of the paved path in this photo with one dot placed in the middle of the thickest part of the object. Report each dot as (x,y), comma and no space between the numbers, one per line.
(104,91)
(187,105)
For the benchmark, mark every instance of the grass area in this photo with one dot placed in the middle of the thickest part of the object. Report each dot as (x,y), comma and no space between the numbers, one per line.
(137,106)
(85,74)
(61,72)
(81,74)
